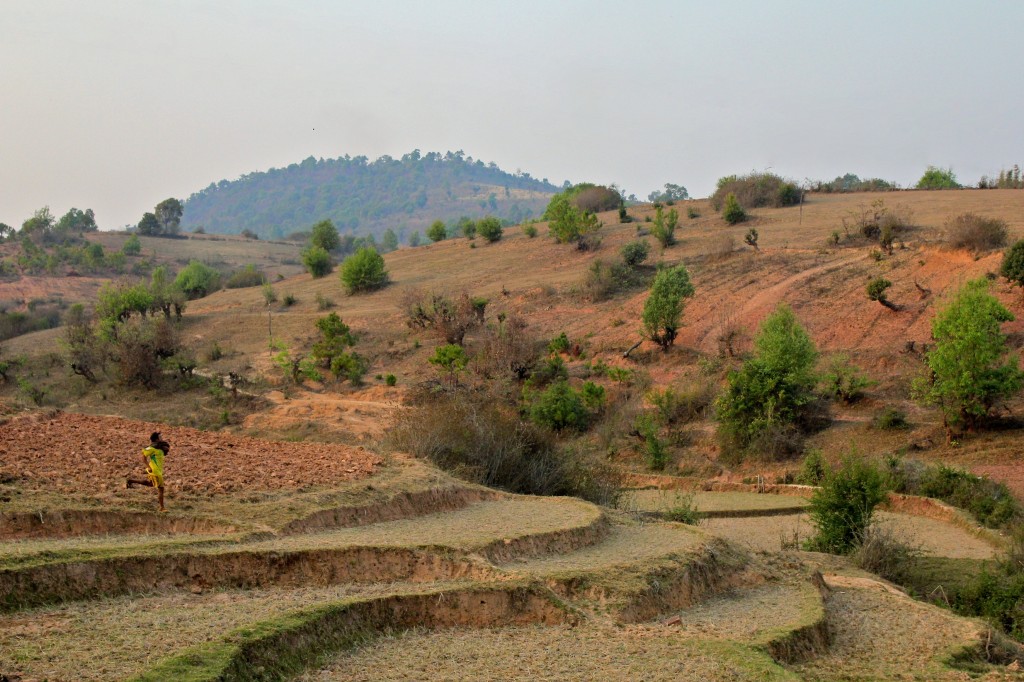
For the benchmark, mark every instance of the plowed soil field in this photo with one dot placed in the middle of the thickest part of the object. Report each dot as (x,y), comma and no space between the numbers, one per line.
(88,454)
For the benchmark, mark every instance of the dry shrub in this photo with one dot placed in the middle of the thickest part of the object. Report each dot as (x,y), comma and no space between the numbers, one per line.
(877,219)
(597,199)
(140,348)
(732,336)
(720,247)
(474,436)
(976,233)
(508,350)
(756,190)
(883,553)
(451,317)
(684,405)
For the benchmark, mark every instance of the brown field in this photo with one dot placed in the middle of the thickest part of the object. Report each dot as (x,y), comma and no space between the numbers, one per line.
(296,477)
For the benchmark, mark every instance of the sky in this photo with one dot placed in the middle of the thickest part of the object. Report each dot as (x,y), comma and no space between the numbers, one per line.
(116,105)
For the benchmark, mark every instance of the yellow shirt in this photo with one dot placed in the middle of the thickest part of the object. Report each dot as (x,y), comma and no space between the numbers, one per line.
(154,464)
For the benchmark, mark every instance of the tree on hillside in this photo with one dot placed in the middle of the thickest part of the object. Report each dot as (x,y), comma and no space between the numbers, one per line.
(938,178)
(77,221)
(197,280)
(6,231)
(568,223)
(437,231)
(325,235)
(149,225)
(363,271)
(876,292)
(732,212)
(663,309)
(389,242)
(414,239)
(40,223)
(489,228)
(971,367)
(168,215)
(317,261)
(770,399)
(670,193)
(1013,264)
(664,227)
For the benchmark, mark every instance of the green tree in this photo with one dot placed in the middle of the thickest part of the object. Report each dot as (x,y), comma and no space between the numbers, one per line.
(559,407)
(467,227)
(437,231)
(971,367)
(732,212)
(325,235)
(489,228)
(1013,264)
(331,349)
(389,241)
(772,394)
(168,215)
(634,253)
(938,178)
(132,246)
(317,261)
(363,271)
(664,226)
(670,193)
(876,292)
(750,239)
(40,223)
(149,225)
(117,301)
(414,239)
(76,220)
(567,222)
(451,359)
(842,508)
(197,280)
(167,296)
(663,309)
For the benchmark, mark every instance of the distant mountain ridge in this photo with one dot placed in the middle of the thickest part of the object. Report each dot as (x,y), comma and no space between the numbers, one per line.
(366,197)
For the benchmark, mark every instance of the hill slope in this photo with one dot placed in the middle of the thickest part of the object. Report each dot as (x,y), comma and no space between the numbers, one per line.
(404,194)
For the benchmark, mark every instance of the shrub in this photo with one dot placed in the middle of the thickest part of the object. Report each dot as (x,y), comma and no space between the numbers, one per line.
(692,213)
(132,246)
(559,344)
(325,235)
(468,228)
(682,406)
(437,231)
(604,280)
(390,379)
(881,552)
(971,367)
(635,252)
(414,239)
(876,289)
(450,359)
(593,396)
(508,350)
(684,510)
(197,280)
(245,277)
(552,370)
(317,261)
(890,419)
(663,309)
(559,407)
(323,303)
(593,198)
(330,351)
(750,239)
(841,509)
(975,232)
(450,317)
(484,442)
(756,190)
(814,469)
(655,453)
(991,503)
(567,222)
(269,293)
(938,178)
(289,300)
(770,400)
(664,227)
(489,228)
(732,211)
(363,271)
(530,230)
(1013,264)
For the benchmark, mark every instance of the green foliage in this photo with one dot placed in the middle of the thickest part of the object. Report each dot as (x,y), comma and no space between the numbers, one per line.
(683,510)
(289,300)
(452,318)
(1012,267)
(971,368)
(530,230)
(77,221)
(770,399)
(356,193)
(977,233)
(843,380)
(325,235)
(655,453)
(559,344)
(876,288)
(664,227)
(842,508)
(681,406)
(670,193)
(467,227)
(750,238)
(197,280)
(437,231)
(890,419)
(244,277)
(363,271)
(451,359)
(390,379)
(692,213)
(559,407)
(850,182)
(990,502)
(634,253)
(132,246)
(414,239)
(552,370)
(389,241)
(269,293)
(168,216)
(331,352)
(118,301)
(489,228)
(317,261)
(756,190)
(814,469)
(568,223)
(938,178)
(663,309)
(732,212)
(593,396)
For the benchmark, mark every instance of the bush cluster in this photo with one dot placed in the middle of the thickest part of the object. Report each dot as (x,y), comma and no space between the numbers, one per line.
(756,190)
(976,233)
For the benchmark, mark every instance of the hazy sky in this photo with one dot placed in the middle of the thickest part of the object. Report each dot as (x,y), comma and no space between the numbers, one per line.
(116,105)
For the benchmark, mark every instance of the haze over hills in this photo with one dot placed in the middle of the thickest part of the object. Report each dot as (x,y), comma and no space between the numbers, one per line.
(365,196)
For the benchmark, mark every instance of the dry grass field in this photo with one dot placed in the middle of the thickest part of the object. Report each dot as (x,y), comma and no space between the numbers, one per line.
(299,545)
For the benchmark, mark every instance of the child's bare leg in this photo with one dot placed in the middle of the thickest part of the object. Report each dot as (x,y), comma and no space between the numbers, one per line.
(136,481)
(160,497)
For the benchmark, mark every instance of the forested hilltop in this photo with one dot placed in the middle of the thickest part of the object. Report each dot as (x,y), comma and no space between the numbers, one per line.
(357,194)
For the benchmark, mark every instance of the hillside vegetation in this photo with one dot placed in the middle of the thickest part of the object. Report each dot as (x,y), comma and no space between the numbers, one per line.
(355,193)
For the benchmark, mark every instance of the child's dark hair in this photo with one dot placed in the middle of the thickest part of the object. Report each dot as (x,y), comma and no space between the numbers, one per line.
(154,437)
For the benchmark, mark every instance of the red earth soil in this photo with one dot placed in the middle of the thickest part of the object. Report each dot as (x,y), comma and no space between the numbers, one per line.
(89,454)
